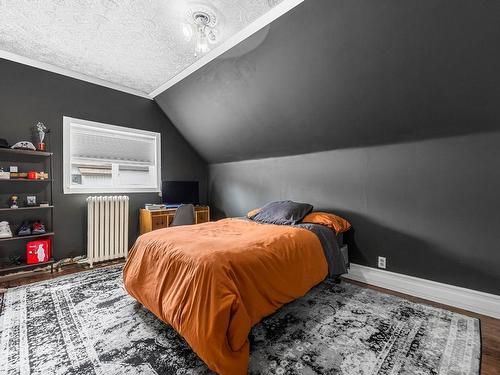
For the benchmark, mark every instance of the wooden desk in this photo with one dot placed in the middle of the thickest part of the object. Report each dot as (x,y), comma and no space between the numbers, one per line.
(152,220)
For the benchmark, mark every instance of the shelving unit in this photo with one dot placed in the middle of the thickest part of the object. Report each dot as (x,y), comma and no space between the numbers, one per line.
(24,180)
(31,236)
(26,208)
(24,152)
(7,267)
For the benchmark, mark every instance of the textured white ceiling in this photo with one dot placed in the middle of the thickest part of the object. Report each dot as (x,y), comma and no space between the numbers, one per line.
(130,43)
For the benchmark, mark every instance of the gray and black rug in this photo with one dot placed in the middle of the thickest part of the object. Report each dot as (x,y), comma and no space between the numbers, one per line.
(87,324)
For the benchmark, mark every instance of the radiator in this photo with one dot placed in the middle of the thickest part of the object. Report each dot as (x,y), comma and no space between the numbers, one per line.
(107,228)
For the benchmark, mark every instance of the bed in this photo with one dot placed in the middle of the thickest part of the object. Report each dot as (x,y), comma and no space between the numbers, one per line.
(212,282)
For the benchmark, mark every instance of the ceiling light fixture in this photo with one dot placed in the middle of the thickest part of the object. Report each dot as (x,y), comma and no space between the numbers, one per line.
(201,20)
(201,26)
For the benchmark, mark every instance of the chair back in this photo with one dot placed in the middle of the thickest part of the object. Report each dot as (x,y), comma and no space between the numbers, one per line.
(184,215)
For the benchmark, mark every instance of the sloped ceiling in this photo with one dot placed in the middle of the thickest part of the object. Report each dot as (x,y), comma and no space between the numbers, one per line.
(333,74)
(133,45)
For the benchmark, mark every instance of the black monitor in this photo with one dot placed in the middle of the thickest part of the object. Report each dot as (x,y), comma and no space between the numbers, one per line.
(177,192)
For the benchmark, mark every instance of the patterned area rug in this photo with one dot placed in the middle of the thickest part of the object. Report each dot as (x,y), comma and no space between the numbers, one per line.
(87,324)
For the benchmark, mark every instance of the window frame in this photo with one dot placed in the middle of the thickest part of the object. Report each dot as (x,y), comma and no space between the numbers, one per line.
(68,188)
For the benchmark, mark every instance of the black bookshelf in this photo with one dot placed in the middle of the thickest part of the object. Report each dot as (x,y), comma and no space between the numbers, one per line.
(13,151)
(6,268)
(21,209)
(22,157)
(24,180)
(29,237)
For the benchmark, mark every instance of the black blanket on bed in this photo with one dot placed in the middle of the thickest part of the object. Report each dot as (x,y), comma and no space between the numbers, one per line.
(331,248)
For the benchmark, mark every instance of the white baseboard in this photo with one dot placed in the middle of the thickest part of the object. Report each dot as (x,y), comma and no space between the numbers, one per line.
(467,299)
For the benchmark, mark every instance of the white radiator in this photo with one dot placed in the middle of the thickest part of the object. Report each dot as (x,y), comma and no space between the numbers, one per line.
(107,228)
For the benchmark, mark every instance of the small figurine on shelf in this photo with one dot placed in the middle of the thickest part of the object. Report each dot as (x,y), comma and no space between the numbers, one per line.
(41,130)
(13,201)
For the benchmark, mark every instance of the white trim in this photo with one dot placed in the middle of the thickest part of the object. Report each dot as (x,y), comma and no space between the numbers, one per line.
(68,188)
(70,73)
(467,299)
(229,43)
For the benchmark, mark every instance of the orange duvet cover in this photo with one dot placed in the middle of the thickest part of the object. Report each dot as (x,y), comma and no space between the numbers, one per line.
(212,282)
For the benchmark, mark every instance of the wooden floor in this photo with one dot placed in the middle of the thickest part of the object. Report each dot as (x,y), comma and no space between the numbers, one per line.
(490,327)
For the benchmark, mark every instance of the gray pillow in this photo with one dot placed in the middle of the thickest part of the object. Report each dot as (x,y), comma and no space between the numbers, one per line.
(282,212)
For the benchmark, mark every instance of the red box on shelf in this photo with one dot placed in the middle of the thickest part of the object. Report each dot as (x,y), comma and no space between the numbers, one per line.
(38,251)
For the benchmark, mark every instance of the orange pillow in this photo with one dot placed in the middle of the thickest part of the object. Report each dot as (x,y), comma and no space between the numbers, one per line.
(254,212)
(338,224)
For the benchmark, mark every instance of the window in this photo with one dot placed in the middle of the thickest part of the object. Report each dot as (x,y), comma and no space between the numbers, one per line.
(102,158)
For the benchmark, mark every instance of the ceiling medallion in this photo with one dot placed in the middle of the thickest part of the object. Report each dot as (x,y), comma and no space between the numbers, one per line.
(201,27)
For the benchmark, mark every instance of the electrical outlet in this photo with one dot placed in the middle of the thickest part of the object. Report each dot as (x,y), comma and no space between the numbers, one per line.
(381,262)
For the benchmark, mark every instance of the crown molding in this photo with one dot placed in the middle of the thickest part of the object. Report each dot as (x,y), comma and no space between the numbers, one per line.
(451,295)
(69,73)
(264,20)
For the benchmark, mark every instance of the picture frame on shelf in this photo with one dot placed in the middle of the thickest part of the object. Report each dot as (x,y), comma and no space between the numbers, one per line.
(31,200)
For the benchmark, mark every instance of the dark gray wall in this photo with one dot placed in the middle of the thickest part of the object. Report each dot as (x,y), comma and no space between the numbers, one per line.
(28,95)
(429,206)
(342,73)
(405,95)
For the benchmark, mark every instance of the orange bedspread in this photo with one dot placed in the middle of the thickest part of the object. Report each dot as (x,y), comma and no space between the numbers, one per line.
(212,282)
